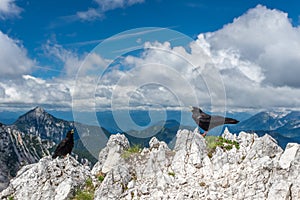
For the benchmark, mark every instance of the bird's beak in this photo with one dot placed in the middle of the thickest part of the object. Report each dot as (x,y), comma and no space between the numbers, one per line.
(191,108)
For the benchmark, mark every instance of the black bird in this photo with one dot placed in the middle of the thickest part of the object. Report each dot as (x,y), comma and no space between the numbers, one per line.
(65,146)
(207,122)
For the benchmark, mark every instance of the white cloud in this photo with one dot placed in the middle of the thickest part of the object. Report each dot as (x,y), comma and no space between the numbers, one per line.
(71,60)
(13,56)
(257,57)
(89,15)
(265,38)
(8,9)
(30,90)
(113,4)
(104,6)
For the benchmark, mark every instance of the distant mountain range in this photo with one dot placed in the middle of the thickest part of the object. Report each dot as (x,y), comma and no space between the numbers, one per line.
(39,123)
(19,149)
(36,134)
(283,126)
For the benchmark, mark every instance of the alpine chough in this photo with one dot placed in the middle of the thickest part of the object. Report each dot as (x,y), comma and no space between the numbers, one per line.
(65,146)
(207,122)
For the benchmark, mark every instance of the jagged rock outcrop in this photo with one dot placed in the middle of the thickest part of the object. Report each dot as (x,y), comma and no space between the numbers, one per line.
(40,123)
(48,179)
(258,169)
(18,149)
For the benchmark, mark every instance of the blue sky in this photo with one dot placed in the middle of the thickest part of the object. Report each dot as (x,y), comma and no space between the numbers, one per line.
(253,45)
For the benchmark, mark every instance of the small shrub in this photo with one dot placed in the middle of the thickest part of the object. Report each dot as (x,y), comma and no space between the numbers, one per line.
(202,184)
(87,193)
(100,176)
(210,154)
(135,148)
(132,150)
(213,142)
(11,198)
(228,147)
(236,144)
(171,174)
(89,183)
(229,141)
(84,195)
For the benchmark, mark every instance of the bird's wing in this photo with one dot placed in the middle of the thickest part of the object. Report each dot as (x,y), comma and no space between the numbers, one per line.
(204,116)
(61,145)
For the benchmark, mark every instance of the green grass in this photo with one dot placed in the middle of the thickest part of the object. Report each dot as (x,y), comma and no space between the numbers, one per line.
(100,176)
(87,193)
(131,150)
(89,183)
(171,174)
(213,142)
(84,195)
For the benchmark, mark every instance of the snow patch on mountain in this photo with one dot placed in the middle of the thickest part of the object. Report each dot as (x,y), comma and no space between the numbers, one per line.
(277,115)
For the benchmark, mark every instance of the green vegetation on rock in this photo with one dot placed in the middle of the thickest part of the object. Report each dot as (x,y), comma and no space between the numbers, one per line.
(87,193)
(213,142)
(171,174)
(132,150)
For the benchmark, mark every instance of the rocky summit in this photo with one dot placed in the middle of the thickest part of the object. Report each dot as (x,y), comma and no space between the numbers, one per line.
(254,168)
(17,150)
(47,179)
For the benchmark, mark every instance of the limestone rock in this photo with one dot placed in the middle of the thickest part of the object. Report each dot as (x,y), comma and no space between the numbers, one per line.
(190,150)
(114,184)
(255,169)
(289,155)
(258,169)
(48,179)
(110,156)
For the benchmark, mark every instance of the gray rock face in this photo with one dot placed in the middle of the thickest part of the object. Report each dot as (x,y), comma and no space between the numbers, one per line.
(110,156)
(47,179)
(259,169)
(256,169)
(18,149)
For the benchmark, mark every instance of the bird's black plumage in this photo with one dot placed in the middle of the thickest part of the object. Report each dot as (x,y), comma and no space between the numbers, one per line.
(207,122)
(65,146)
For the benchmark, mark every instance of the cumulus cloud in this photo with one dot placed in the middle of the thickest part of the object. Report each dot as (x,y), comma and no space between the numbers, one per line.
(257,57)
(250,63)
(13,56)
(71,60)
(265,38)
(18,87)
(30,90)
(8,9)
(104,6)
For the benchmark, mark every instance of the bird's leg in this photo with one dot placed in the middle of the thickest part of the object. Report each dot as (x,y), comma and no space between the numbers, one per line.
(204,134)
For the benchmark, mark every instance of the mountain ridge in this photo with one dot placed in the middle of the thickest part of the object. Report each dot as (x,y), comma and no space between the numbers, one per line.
(256,168)
(284,126)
